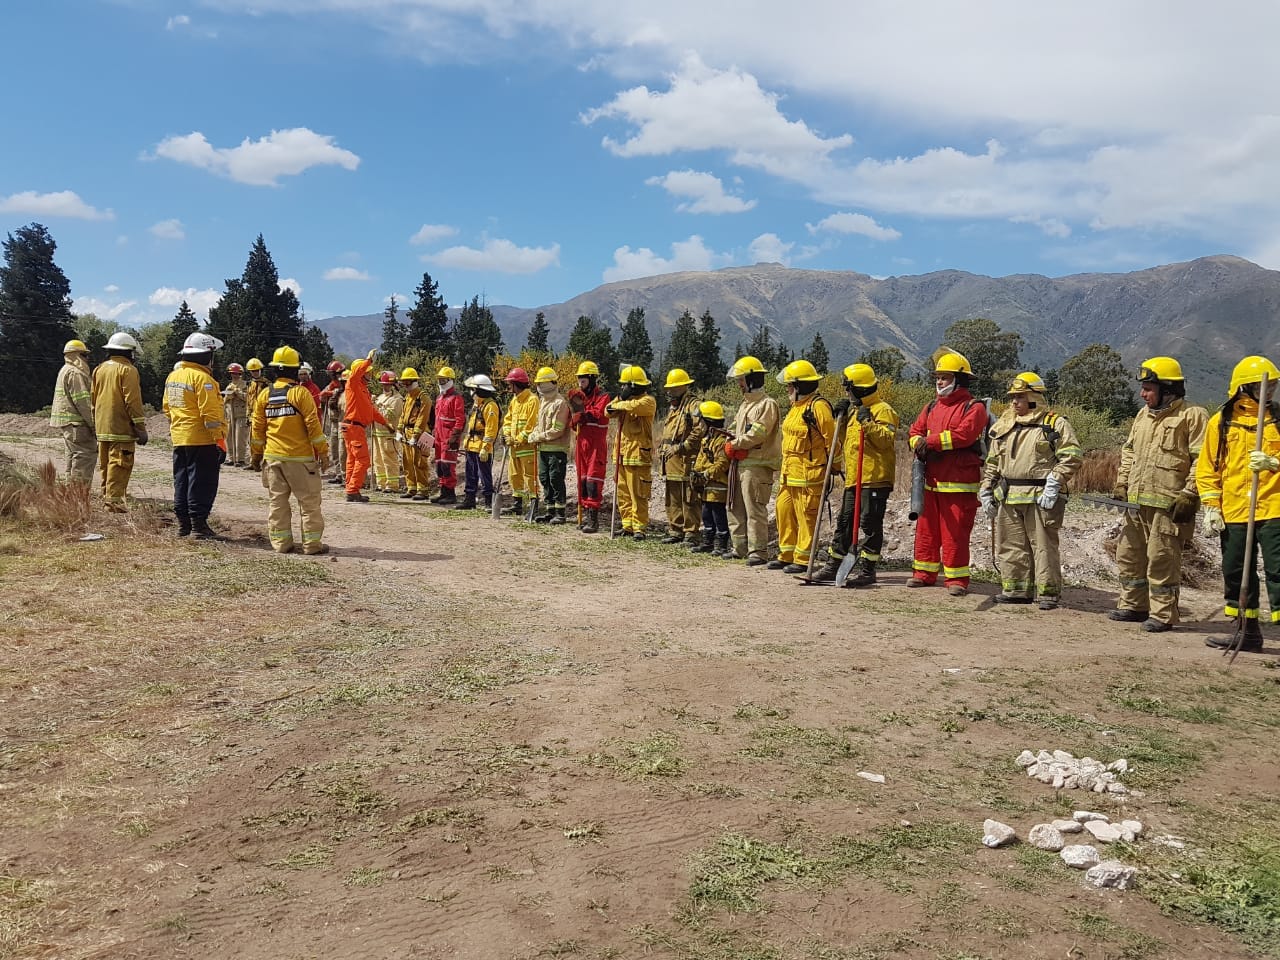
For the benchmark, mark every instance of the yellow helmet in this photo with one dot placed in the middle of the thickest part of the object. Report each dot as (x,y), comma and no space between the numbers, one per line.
(1164,369)
(588,368)
(444,373)
(546,375)
(634,375)
(1029,382)
(744,365)
(677,378)
(345,376)
(953,363)
(710,410)
(253,364)
(74,346)
(799,370)
(1250,370)
(408,373)
(860,375)
(283,357)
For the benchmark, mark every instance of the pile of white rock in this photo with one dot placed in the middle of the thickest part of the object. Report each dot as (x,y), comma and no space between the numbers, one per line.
(1081,856)
(1066,772)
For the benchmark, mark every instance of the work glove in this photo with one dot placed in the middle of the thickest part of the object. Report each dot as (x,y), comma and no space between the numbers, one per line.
(1212,524)
(222,456)
(1184,507)
(1259,461)
(987,500)
(399,437)
(484,456)
(733,453)
(1120,491)
(841,407)
(919,446)
(1049,497)
(325,463)
(864,413)
(455,444)
(142,437)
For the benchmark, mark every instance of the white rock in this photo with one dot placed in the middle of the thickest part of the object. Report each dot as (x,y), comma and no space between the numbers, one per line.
(1170,841)
(1044,756)
(1073,783)
(1079,855)
(872,777)
(1025,759)
(1033,769)
(1084,816)
(1045,837)
(1045,775)
(1104,832)
(1119,766)
(1133,826)
(1111,873)
(1100,786)
(997,834)
(1062,756)
(1067,826)
(1058,781)
(1117,788)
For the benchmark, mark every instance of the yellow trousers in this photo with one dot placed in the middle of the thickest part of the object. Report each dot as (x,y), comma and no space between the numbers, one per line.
(634,484)
(797,509)
(386,463)
(238,440)
(1028,549)
(417,469)
(749,510)
(290,478)
(524,473)
(115,461)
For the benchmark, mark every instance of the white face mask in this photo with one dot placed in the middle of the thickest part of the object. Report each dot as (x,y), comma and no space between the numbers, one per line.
(546,389)
(445,386)
(946,391)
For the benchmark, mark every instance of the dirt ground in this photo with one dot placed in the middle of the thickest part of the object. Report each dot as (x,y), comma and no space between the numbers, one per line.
(456,737)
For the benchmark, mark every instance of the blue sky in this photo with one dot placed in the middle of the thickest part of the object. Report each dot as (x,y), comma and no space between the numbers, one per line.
(529,150)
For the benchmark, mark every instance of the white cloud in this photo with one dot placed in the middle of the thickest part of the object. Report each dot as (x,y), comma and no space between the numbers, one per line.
(200,301)
(260,162)
(858,223)
(346,273)
(181,20)
(110,288)
(122,240)
(288,283)
(769,248)
(101,308)
(705,191)
(1050,226)
(64,203)
(498,256)
(431,232)
(691,254)
(168,230)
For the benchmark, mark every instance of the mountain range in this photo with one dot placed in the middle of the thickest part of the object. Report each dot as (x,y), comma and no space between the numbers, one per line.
(1208,313)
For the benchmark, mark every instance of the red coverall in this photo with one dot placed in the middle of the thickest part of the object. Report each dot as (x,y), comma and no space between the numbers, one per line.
(449,415)
(591,452)
(360,413)
(952,426)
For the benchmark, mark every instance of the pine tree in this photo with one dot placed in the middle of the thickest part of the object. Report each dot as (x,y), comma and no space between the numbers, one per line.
(683,352)
(395,335)
(429,320)
(184,324)
(818,356)
(476,339)
(887,362)
(762,348)
(991,352)
(538,340)
(255,315)
(315,348)
(593,341)
(1096,379)
(709,370)
(35,319)
(634,345)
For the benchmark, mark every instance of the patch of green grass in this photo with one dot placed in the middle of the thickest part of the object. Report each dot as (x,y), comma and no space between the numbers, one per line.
(135,828)
(236,575)
(463,678)
(656,756)
(704,942)
(365,877)
(1157,757)
(355,799)
(439,816)
(176,924)
(774,741)
(356,695)
(22,900)
(279,818)
(316,855)
(732,872)
(1132,944)
(721,791)
(904,850)
(756,711)
(1134,696)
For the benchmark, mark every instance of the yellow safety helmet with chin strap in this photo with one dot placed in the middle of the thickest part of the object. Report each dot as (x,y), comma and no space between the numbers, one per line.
(1029,382)
(409,373)
(588,368)
(283,357)
(799,371)
(546,375)
(253,364)
(1250,370)
(1162,369)
(677,378)
(74,346)
(953,363)
(860,375)
(634,375)
(710,410)
(444,373)
(744,365)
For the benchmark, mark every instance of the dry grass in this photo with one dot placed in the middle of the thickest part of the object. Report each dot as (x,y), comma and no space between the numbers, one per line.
(1097,474)
(39,498)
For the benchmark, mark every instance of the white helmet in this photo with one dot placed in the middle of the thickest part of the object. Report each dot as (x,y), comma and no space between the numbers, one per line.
(122,341)
(478,381)
(199,343)
(306,368)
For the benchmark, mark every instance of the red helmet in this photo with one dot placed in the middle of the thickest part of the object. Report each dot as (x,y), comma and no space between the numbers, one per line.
(386,376)
(234,368)
(335,366)
(517,375)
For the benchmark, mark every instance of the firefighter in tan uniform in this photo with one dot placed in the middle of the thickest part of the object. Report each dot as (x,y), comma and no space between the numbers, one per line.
(235,398)
(386,449)
(521,420)
(755,450)
(682,433)
(287,437)
(118,417)
(72,412)
(636,408)
(808,433)
(1156,475)
(1033,453)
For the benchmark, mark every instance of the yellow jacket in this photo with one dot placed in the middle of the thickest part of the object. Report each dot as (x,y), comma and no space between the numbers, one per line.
(1222,471)
(713,463)
(252,387)
(807,434)
(879,461)
(193,405)
(755,429)
(635,436)
(520,421)
(117,400)
(682,434)
(482,426)
(415,415)
(551,435)
(286,425)
(1030,448)
(1158,460)
(71,396)
(390,405)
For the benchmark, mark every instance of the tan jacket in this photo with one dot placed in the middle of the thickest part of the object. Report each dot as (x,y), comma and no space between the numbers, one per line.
(117,401)
(755,429)
(1026,450)
(1158,460)
(682,434)
(71,403)
(236,397)
(551,435)
(390,405)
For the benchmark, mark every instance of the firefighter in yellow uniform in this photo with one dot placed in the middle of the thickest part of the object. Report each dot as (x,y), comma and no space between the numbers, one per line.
(72,412)
(256,383)
(636,408)
(386,450)
(479,437)
(521,420)
(1033,453)
(290,449)
(807,435)
(1157,476)
(412,427)
(755,452)
(682,434)
(118,417)
(1224,475)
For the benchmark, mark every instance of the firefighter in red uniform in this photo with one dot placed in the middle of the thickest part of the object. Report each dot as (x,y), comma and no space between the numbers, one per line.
(449,418)
(947,436)
(591,452)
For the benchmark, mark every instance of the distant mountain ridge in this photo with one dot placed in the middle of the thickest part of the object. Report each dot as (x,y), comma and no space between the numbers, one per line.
(1208,312)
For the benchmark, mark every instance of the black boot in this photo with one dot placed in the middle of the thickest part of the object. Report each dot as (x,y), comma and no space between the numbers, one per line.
(721,548)
(1251,643)
(557,515)
(547,515)
(865,576)
(446,496)
(693,541)
(592,523)
(516,508)
(827,572)
(703,542)
(673,536)
(468,502)
(184,526)
(488,500)
(408,495)
(202,531)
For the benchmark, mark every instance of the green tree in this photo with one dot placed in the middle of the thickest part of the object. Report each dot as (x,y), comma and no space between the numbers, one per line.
(182,326)
(634,345)
(708,369)
(762,348)
(395,335)
(991,352)
(539,339)
(476,339)
(818,355)
(94,331)
(429,320)
(1096,379)
(315,348)
(35,319)
(682,352)
(255,315)
(887,362)
(594,341)
(153,359)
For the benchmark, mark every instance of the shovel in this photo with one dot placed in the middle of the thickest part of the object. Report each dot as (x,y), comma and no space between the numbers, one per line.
(1237,640)
(846,565)
(496,511)
(807,579)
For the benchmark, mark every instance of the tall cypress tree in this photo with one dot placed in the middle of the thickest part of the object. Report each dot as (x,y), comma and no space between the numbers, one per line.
(35,319)
(395,335)
(476,339)
(429,320)
(539,339)
(634,345)
(683,350)
(590,340)
(254,315)
(818,355)
(709,370)
(184,324)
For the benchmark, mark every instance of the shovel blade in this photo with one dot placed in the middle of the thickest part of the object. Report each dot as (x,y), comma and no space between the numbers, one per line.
(846,567)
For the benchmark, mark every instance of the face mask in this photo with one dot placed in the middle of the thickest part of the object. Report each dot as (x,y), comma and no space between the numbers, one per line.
(445,386)
(546,389)
(946,391)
